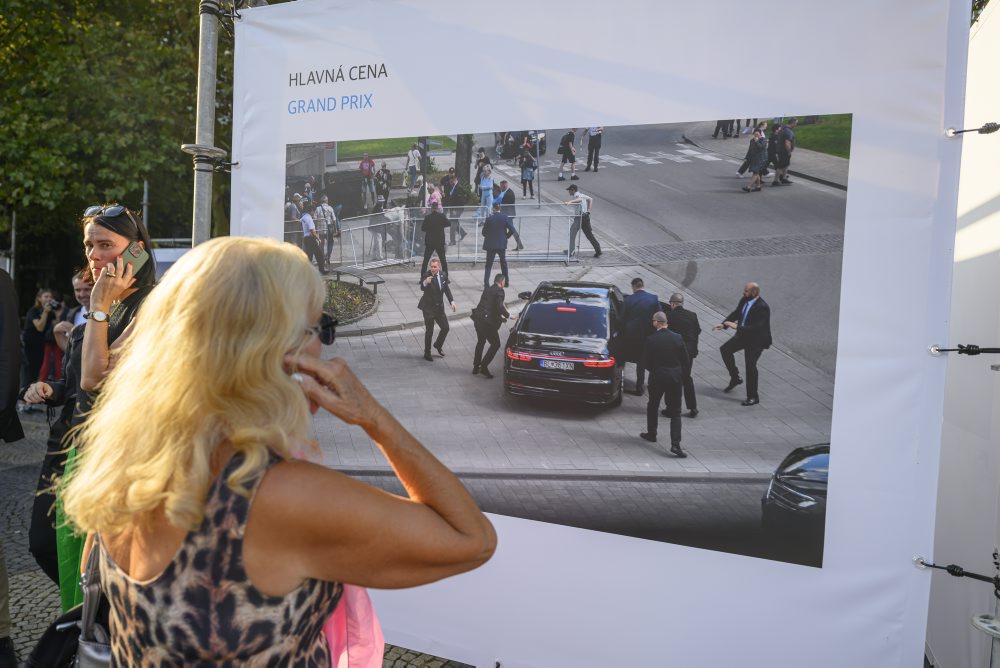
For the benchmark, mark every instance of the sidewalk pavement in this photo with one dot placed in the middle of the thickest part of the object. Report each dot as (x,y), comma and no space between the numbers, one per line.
(820,167)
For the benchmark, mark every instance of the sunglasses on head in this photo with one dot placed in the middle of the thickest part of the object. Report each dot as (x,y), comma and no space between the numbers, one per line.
(326,330)
(109,211)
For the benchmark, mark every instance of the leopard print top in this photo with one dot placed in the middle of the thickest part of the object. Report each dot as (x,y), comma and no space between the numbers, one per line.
(203,610)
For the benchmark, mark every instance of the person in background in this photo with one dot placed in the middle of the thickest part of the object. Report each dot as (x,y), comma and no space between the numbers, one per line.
(594,135)
(38,321)
(454,198)
(310,237)
(413,163)
(528,165)
(10,431)
(42,530)
(52,354)
(667,361)
(367,169)
(686,324)
(756,161)
(637,325)
(331,219)
(383,183)
(433,228)
(497,229)
(207,526)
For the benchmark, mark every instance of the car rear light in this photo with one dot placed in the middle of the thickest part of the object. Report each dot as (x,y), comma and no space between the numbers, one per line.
(600,364)
(567,309)
(520,357)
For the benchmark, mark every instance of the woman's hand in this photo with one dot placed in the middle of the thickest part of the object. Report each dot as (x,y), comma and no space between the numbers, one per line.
(114,280)
(37,393)
(332,385)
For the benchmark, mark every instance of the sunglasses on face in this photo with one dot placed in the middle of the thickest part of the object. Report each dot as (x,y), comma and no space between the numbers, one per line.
(326,330)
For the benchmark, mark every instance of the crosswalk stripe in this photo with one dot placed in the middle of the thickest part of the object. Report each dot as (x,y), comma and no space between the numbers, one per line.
(708,157)
(688,151)
(670,156)
(642,159)
(615,161)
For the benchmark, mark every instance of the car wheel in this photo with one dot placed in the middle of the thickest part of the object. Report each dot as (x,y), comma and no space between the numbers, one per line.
(617,401)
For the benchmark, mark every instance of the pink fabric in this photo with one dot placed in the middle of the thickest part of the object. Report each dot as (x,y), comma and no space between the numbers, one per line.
(353,631)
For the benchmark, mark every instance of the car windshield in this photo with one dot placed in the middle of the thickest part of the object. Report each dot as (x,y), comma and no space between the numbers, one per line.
(563,318)
(812,464)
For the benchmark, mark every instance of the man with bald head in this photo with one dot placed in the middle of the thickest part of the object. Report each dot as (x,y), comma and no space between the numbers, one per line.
(751,320)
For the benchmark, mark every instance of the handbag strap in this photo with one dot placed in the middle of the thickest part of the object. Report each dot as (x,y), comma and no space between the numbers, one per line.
(90,583)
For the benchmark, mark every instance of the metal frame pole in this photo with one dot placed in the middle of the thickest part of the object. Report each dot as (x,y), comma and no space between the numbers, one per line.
(208,49)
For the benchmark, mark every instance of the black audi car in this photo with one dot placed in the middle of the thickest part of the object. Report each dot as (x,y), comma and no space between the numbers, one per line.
(796,495)
(558,347)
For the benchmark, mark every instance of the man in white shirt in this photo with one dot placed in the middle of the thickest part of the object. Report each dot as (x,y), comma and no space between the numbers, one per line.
(310,237)
(327,224)
(593,146)
(586,203)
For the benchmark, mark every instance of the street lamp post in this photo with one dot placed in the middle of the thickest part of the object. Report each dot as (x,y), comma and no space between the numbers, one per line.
(203,149)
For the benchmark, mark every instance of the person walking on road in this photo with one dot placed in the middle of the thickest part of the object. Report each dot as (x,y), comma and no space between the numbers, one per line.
(310,237)
(636,327)
(785,147)
(433,228)
(528,165)
(434,288)
(756,161)
(686,324)
(751,319)
(593,146)
(667,360)
(496,230)
(567,149)
(582,221)
(327,225)
(488,315)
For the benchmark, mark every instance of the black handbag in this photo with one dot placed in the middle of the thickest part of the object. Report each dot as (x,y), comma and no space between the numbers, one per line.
(79,637)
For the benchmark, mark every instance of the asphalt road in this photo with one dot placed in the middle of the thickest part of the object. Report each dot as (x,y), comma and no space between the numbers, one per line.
(721,515)
(681,211)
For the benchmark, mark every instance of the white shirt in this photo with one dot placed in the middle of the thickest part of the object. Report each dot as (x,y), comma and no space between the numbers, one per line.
(413,158)
(324,216)
(308,226)
(79,319)
(582,200)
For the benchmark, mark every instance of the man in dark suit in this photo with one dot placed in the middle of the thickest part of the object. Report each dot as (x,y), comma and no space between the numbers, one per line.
(433,228)
(10,431)
(667,360)
(488,315)
(752,321)
(685,323)
(496,230)
(637,319)
(434,287)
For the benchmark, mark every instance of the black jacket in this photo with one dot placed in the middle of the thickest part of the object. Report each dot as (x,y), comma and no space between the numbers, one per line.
(685,323)
(435,223)
(10,361)
(491,309)
(757,330)
(432,299)
(664,354)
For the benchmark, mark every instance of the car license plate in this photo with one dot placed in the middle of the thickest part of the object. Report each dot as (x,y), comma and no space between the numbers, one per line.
(555,364)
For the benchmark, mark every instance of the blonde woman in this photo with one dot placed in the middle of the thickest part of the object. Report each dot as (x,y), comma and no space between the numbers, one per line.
(215,545)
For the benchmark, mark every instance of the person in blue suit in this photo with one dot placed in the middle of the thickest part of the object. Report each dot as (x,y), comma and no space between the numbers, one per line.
(637,324)
(496,230)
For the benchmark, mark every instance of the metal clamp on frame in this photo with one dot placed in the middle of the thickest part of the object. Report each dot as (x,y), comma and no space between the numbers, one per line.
(986,129)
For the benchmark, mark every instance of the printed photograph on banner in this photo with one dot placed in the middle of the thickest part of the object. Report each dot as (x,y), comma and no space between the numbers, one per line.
(626,329)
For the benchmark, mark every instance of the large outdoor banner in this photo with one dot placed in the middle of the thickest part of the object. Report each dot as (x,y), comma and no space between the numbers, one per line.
(779,181)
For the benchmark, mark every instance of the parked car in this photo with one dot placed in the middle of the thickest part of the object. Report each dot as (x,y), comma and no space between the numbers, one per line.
(558,347)
(796,495)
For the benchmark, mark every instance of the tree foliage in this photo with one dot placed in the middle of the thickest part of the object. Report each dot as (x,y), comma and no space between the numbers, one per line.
(97,96)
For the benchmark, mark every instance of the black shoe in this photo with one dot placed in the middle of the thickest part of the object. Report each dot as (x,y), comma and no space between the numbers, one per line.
(587,170)
(561,178)
(574,178)
(440,351)
(648,437)
(750,402)
(7,655)
(746,189)
(638,391)
(598,253)
(595,169)
(693,413)
(485,373)
(675,449)
(427,356)
(464,234)
(733,383)
(664,413)
(475,370)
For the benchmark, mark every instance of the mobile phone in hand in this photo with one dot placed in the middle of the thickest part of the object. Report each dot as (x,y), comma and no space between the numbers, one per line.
(135,254)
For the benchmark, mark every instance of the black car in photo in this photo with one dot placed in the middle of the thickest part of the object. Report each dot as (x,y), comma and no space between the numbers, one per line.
(558,347)
(796,496)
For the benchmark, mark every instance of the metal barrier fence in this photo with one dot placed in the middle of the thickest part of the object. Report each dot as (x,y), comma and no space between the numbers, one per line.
(548,232)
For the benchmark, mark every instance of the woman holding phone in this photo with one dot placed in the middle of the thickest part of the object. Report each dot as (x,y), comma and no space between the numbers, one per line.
(201,500)
(116,245)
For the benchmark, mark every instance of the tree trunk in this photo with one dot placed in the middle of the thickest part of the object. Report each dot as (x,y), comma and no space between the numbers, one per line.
(463,158)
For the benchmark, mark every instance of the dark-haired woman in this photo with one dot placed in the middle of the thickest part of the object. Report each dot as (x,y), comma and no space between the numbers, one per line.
(37,322)
(119,289)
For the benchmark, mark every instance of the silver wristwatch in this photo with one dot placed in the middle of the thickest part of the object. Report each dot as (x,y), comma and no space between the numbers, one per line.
(99,316)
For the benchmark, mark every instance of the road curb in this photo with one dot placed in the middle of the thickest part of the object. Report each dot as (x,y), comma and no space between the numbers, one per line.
(795,173)
(575,476)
